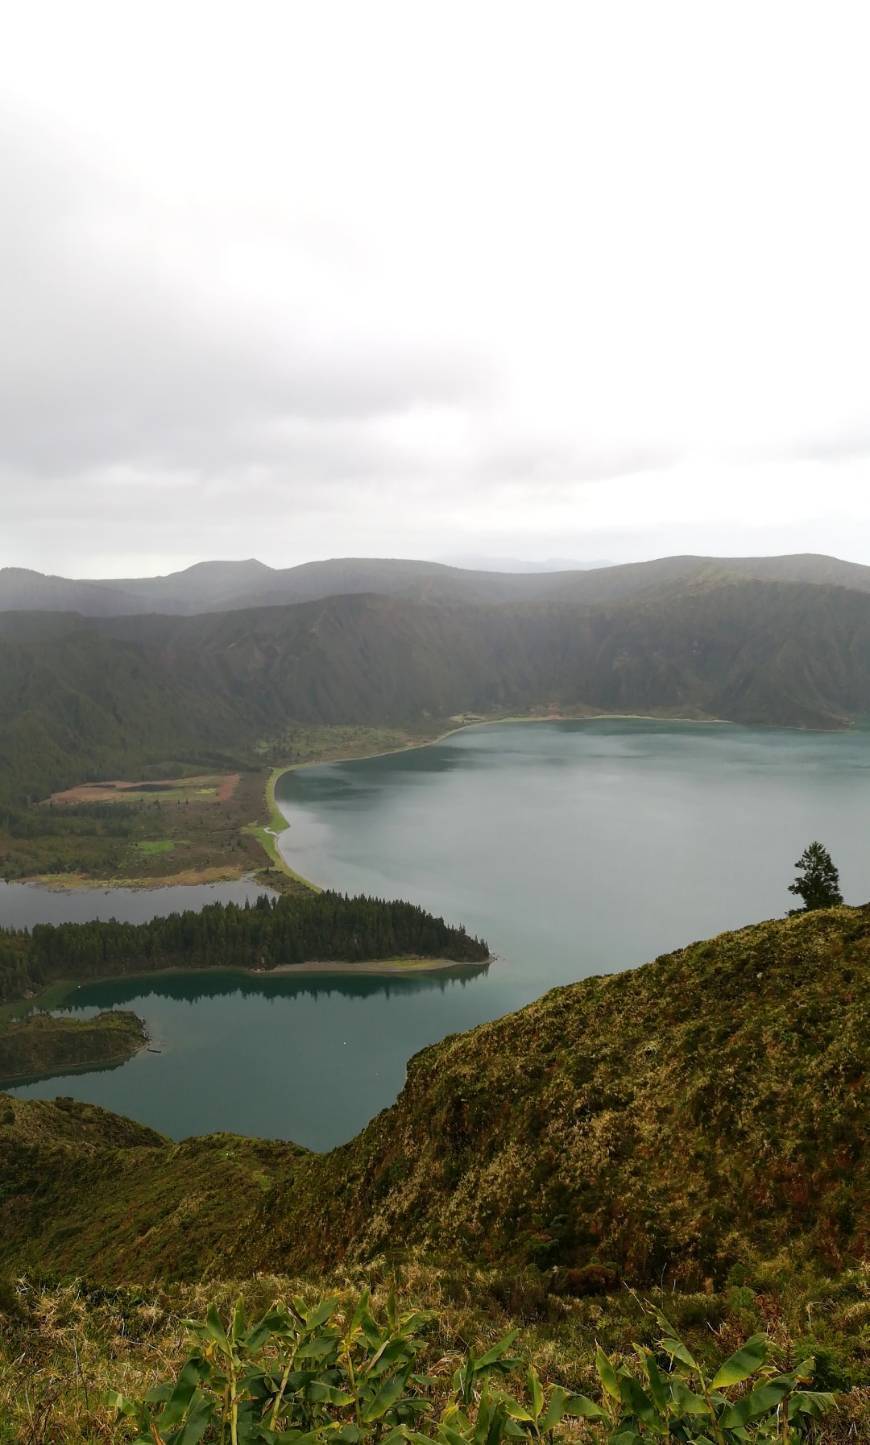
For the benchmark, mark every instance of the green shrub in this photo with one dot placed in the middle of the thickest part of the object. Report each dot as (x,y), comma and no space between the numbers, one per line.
(307,1375)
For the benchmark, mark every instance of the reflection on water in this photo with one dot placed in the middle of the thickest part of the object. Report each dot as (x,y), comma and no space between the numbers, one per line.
(308,1056)
(24,904)
(573,848)
(91,1070)
(220,983)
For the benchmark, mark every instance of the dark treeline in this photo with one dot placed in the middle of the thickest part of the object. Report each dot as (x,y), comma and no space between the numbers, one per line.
(323,926)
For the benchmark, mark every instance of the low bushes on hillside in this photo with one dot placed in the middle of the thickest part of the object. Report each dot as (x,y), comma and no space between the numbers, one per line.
(312,1374)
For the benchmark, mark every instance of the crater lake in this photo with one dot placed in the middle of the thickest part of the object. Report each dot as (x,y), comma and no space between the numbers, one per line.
(573,847)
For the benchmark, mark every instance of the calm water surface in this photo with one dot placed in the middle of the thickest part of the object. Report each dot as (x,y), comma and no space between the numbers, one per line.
(23,904)
(575,848)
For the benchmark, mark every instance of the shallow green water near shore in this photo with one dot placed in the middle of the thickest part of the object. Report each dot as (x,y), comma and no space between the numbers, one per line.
(574,848)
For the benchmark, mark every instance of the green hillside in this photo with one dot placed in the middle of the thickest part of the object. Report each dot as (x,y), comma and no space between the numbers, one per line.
(100,697)
(690,1133)
(667,1122)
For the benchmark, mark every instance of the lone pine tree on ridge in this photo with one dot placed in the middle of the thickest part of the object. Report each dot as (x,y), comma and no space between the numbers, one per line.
(818,881)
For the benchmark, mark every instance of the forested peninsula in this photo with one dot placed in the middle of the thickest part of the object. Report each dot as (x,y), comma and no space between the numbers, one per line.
(328,927)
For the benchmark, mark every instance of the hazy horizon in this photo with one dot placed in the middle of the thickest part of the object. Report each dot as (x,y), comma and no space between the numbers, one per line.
(471,564)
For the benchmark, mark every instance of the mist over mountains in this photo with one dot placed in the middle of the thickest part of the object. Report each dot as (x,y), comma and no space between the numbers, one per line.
(222,660)
(230,586)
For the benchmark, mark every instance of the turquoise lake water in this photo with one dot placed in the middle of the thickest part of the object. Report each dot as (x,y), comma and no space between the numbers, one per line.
(574,848)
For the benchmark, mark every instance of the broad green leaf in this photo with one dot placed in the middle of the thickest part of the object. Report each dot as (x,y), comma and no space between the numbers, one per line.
(316,1349)
(814,1403)
(157,1394)
(501,1427)
(678,1351)
(239,1325)
(320,1314)
(686,1401)
(413,1405)
(743,1363)
(383,1401)
(536,1392)
(509,1428)
(450,1435)
(256,1337)
(760,1401)
(516,1410)
(606,1373)
(554,1411)
(199,1417)
(216,1330)
(584,1408)
(176,1406)
(498,1351)
(388,1353)
(485,1416)
(635,1398)
(658,1385)
(320,1393)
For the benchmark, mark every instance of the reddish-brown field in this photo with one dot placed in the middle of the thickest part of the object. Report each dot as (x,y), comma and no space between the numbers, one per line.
(203,788)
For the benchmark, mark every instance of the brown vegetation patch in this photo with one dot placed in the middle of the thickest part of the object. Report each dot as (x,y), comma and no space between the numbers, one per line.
(202,788)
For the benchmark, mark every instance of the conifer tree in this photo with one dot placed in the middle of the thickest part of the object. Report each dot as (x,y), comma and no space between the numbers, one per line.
(818,882)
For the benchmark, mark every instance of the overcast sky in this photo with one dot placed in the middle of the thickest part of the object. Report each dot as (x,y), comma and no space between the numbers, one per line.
(298,280)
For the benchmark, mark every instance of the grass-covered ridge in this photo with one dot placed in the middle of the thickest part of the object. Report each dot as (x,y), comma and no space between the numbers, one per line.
(692,1130)
(662,1124)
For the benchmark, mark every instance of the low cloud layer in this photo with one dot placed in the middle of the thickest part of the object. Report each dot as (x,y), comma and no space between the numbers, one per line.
(308,281)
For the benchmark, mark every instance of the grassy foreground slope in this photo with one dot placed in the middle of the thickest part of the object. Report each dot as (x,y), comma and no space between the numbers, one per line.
(670,1123)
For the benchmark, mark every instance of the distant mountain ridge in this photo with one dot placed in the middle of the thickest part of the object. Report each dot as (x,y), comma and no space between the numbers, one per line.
(233,586)
(85,697)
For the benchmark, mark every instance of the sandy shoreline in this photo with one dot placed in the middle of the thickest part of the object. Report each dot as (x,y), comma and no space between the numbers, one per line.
(479,722)
(375,965)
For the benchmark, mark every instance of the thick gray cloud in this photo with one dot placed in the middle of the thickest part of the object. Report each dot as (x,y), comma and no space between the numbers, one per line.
(302,281)
(116,363)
